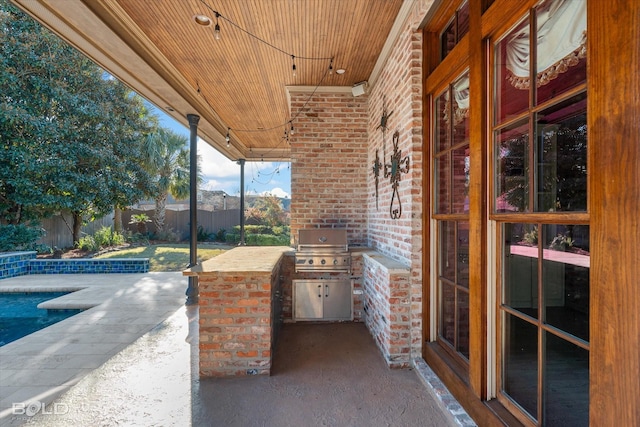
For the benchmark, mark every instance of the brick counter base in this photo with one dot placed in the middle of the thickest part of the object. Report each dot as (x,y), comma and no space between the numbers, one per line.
(237,310)
(387,307)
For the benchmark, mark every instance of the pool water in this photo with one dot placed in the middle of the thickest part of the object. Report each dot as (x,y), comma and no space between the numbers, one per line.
(20,315)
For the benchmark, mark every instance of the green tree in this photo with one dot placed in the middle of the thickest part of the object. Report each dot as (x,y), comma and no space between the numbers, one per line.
(71,135)
(272,211)
(167,159)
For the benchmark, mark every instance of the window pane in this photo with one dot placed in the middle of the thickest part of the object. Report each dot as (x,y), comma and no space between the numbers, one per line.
(520,364)
(447,233)
(512,73)
(460,90)
(463,20)
(565,278)
(520,268)
(447,312)
(512,168)
(442,180)
(442,120)
(566,383)
(561,47)
(448,39)
(562,156)
(460,193)
(463,323)
(462,278)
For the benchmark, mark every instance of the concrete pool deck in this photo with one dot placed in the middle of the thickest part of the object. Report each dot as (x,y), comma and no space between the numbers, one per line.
(132,360)
(120,308)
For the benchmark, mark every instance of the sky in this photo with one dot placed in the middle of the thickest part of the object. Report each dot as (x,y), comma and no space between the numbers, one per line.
(222,174)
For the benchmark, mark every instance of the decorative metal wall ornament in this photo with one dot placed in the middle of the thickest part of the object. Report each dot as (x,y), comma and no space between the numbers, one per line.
(393,171)
(384,118)
(377,166)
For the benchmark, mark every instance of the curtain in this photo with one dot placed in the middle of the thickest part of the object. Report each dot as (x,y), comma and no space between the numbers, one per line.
(561,42)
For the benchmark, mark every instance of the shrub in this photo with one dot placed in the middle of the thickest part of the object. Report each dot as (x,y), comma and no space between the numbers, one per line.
(167,236)
(88,243)
(41,248)
(220,235)
(266,240)
(138,238)
(257,229)
(203,235)
(106,237)
(531,237)
(561,243)
(19,237)
(232,238)
(103,238)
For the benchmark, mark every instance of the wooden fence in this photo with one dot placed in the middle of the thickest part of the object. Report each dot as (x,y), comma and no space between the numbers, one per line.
(59,227)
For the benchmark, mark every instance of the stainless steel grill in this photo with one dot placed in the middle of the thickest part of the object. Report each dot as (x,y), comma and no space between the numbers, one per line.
(323,250)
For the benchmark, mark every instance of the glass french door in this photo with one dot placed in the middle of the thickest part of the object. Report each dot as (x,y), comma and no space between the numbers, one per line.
(539,199)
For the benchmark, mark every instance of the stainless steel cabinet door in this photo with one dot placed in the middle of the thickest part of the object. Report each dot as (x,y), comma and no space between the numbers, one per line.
(307,297)
(337,300)
(322,300)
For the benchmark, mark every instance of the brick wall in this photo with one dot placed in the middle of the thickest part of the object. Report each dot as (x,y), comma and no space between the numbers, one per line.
(336,143)
(329,163)
(399,91)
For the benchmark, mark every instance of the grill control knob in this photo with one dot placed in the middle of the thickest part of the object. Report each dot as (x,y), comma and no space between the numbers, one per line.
(310,261)
(335,261)
(323,261)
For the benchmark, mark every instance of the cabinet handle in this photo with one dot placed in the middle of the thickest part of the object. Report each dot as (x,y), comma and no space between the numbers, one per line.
(326,291)
(319,291)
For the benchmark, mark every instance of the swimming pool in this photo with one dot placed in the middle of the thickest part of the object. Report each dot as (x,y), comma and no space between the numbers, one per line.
(20,315)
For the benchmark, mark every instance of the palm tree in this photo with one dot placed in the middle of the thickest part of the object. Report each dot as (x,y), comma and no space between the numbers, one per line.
(167,159)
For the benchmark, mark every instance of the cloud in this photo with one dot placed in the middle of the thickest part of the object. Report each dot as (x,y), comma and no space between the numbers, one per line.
(220,173)
(214,164)
(277,191)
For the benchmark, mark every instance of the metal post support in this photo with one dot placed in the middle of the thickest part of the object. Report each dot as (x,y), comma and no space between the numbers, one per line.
(242,241)
(192,289)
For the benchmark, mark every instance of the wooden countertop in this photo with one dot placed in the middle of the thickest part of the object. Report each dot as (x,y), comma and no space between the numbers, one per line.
(241,259)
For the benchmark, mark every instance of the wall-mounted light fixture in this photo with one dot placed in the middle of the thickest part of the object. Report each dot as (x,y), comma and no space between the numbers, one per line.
(359,88)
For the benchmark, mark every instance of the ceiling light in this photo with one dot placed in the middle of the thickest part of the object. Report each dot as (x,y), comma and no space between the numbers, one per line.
(340,71)
(203,20)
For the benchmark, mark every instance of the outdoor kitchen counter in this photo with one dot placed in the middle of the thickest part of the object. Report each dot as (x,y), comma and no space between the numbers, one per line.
(242,258)
(238,304)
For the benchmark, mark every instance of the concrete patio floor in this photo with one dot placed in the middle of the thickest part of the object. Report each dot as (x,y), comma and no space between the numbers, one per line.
(142,370)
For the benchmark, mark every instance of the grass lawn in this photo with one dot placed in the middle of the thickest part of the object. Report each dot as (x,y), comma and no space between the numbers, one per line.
(166,257)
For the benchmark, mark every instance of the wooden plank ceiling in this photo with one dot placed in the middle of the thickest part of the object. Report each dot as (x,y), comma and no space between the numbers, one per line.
(239,81)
